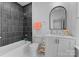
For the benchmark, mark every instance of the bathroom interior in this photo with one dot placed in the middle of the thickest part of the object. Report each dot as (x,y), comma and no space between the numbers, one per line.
(39,29)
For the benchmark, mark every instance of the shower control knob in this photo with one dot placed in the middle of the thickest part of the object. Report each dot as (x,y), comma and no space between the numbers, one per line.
(26,35)
(0,37)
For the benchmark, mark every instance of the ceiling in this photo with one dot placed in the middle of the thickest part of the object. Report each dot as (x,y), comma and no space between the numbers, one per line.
(23,3)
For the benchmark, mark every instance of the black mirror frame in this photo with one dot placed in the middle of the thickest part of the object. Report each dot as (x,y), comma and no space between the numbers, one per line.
(64,27)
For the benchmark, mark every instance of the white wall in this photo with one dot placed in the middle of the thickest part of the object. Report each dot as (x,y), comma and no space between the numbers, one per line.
(77,26)
(71,18)
(41,10)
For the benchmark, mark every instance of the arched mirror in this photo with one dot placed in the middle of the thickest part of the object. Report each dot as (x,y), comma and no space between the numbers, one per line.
(58,18)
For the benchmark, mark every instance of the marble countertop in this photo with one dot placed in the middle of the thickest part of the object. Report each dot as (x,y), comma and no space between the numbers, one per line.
(60,36)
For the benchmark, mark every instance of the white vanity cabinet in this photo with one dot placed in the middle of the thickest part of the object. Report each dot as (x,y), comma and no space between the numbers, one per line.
(51,49)
(60,47)
(66,47)
(57,46)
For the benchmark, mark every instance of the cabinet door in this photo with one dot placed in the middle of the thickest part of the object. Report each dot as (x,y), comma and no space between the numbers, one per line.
(51,46)
(66,47)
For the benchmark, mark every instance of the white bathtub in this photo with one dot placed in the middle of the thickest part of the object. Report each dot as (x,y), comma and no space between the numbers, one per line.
(17,49)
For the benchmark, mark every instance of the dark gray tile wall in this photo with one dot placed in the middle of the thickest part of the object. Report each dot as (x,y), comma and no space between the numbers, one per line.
(11,22)
(15,22)
(28,22)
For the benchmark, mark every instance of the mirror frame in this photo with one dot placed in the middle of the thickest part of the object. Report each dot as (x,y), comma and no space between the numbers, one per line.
(64,26)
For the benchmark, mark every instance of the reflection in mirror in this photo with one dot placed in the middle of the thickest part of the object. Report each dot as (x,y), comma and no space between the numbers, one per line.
(58,18)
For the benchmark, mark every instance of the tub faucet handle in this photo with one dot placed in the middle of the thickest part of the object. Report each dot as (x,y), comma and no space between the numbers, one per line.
(0,37)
